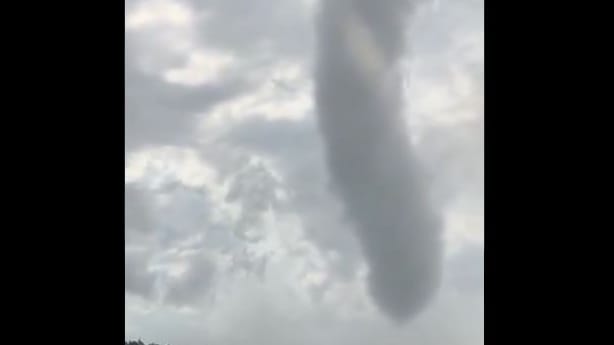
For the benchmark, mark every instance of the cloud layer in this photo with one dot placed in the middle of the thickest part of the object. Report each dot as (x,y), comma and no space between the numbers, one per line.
(237,216)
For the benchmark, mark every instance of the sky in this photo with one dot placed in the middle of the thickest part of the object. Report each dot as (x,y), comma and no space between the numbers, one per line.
(304,172)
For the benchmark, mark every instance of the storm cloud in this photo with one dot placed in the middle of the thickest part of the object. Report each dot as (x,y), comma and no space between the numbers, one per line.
(372,166)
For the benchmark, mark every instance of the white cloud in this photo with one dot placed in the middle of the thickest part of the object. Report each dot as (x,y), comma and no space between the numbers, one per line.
(154,13)
(283,91)
(464,227)
(201,67)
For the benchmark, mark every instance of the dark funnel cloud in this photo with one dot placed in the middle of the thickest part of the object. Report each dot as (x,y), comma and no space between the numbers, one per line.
(359,105)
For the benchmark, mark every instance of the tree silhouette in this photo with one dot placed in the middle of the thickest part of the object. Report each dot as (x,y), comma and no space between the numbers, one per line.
(138,342)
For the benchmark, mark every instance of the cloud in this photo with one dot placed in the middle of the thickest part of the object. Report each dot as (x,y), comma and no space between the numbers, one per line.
(158,113)
(467,270)
(295,149)
(192,284)
(220,103)
(265,28)
(169,78)
(139,280)
(368,150)
(254,189)
(137,209)
(454,157)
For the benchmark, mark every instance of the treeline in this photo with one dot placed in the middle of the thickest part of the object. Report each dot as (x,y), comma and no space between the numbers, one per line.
(138,342)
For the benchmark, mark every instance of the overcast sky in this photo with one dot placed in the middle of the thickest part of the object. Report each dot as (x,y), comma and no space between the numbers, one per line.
(252,218)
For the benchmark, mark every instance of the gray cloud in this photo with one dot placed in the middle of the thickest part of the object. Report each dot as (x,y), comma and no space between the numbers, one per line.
(138,280)
(137,209)
(149,222)
(253,188)
(297,151)
(244,261)
(186,213)
(160,113)
(270,27)
(368,150)
(193,284)
(285,140)
(454,157)
(448,43)
(466,270)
